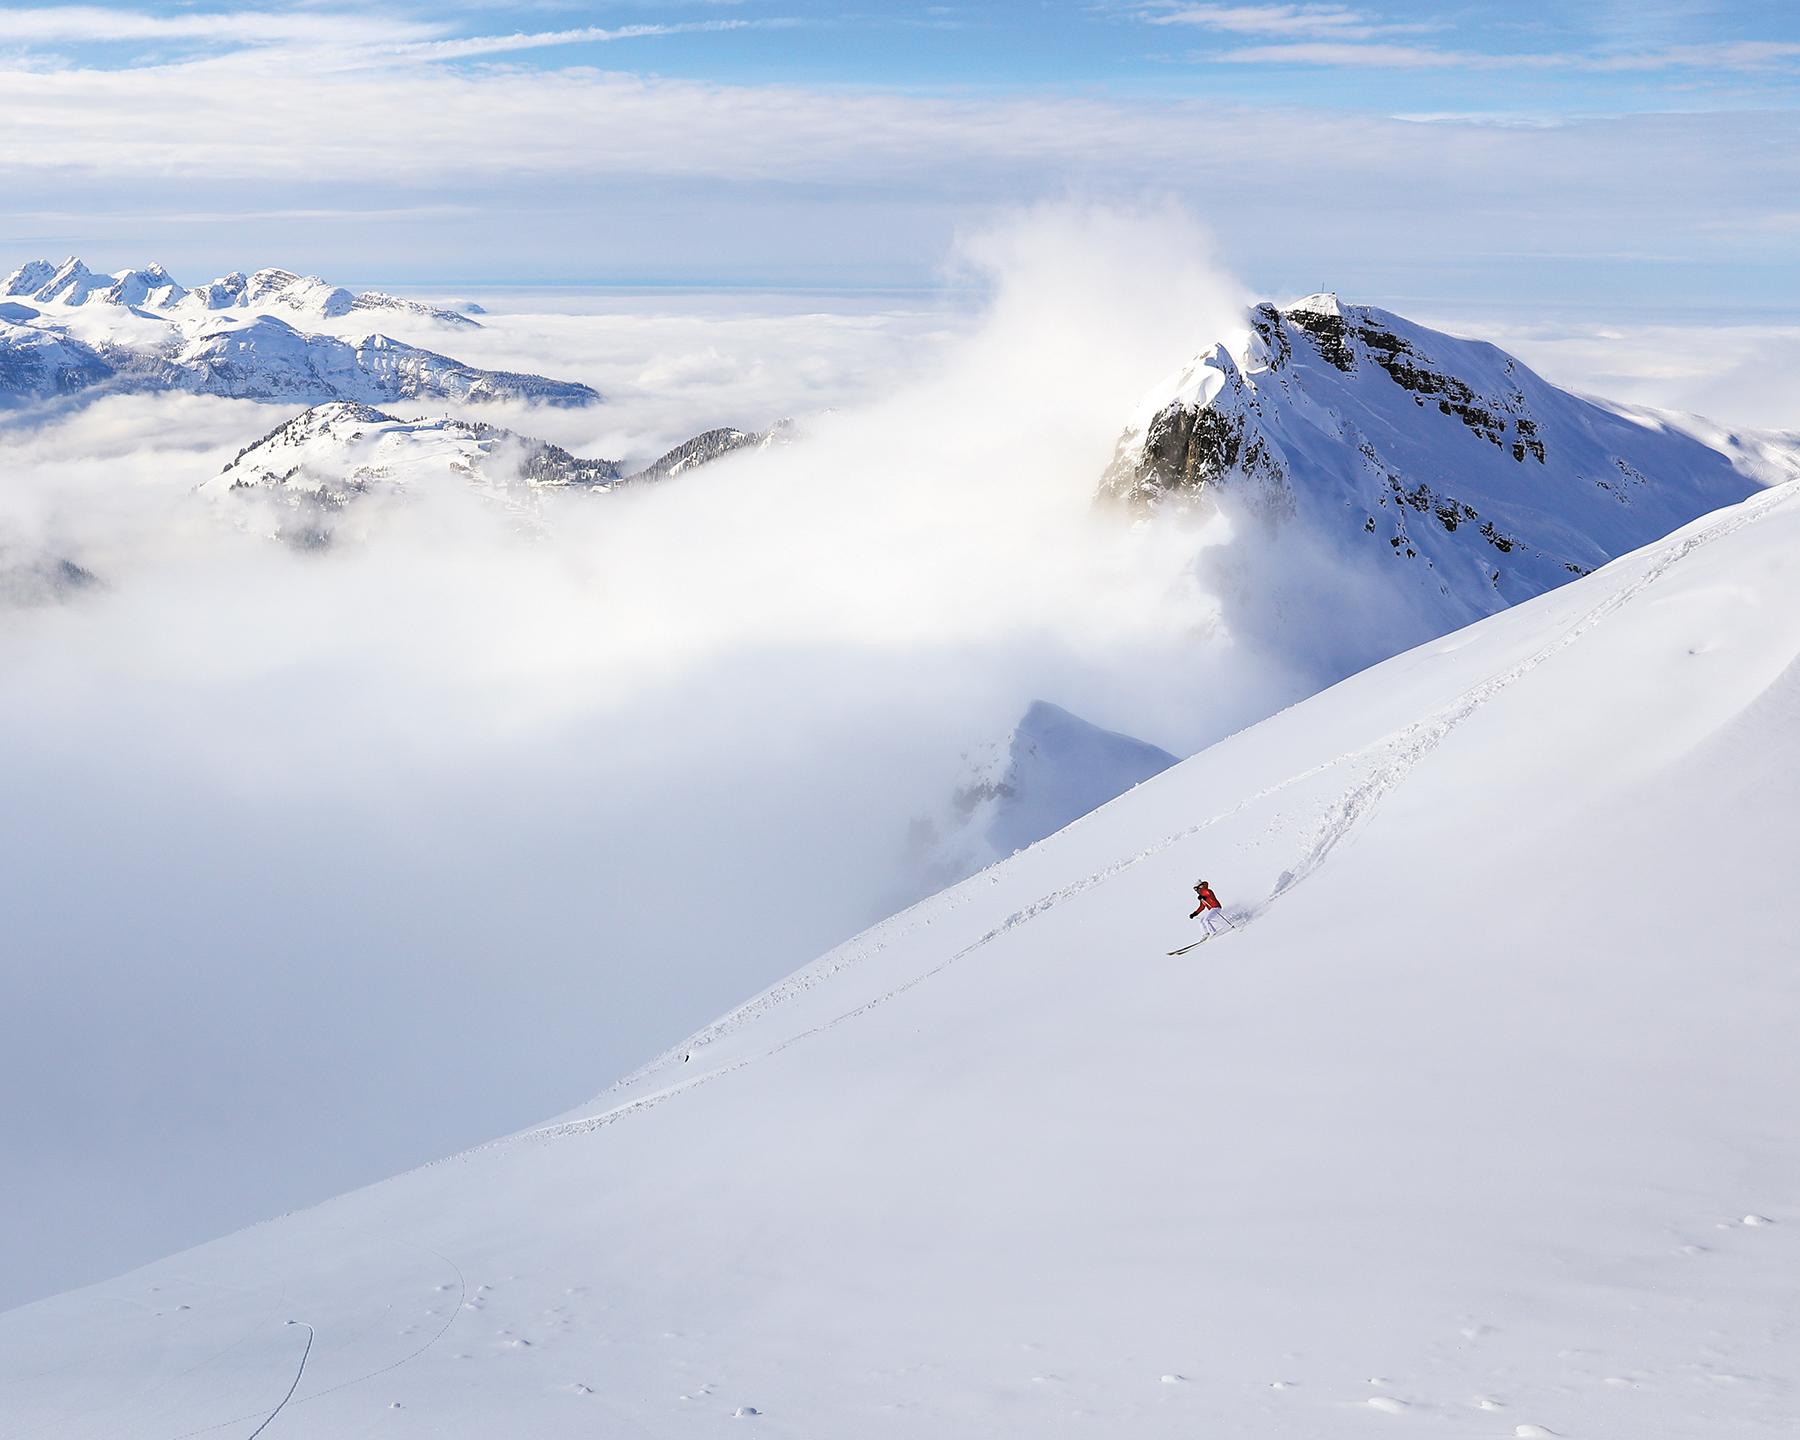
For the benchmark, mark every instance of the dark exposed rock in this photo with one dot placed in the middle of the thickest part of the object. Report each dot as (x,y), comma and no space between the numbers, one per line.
(1328,333)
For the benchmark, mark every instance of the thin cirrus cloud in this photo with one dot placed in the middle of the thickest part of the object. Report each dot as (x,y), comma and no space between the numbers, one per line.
(476,45)
(339,38)
(1740,57)
(1339,36)
(1338,22)
(96,25)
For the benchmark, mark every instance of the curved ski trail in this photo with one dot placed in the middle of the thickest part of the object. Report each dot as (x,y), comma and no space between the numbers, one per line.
(301,1370)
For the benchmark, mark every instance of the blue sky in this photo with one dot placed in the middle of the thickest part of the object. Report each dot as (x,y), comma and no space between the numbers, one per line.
(1538,59)
(1593,151)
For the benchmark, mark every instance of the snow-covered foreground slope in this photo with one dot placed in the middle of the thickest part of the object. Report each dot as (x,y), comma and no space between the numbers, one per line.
(1479,1126)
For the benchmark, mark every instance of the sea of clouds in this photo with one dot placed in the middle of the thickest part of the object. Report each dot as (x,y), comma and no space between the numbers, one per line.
(319,865)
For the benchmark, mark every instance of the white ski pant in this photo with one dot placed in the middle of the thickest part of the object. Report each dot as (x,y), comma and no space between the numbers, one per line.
(1213,920)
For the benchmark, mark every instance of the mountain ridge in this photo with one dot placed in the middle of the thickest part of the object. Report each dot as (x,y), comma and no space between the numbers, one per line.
(151,287)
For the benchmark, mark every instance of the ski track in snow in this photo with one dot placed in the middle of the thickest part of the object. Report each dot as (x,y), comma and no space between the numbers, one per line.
(138,1397)
(1393,758)
(443,1330)
(299,1371)
(290,1402)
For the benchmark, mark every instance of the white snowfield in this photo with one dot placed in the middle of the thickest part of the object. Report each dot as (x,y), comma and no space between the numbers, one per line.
(1480,1125)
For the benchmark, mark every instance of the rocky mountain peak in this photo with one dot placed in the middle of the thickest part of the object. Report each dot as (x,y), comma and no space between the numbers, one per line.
(1441,469)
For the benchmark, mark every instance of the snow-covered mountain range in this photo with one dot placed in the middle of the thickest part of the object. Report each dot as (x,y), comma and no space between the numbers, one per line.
(1479,1123)
(268,291)
(66,331)
(1433,478)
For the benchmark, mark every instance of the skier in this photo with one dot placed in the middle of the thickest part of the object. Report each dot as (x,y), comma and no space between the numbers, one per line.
(1209,912)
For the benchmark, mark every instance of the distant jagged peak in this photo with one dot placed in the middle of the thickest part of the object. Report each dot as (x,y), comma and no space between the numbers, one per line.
(72,284)
(151,286)
(28,279)
(309,295)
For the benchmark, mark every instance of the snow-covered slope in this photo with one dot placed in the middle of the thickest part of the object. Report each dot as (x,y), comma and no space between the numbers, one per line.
(1437,476)
(1479,1126)
(40,363)
(269,291)
(1051,770)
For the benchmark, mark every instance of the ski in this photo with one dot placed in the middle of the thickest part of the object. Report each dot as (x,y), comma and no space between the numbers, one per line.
(1201,941)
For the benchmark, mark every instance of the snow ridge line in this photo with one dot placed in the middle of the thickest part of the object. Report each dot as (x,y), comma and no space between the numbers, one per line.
(1406,747)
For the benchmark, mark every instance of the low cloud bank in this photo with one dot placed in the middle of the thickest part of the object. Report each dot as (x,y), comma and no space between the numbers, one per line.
(319,865)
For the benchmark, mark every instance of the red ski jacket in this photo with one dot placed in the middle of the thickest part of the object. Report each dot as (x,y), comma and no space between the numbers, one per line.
(1208,900)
